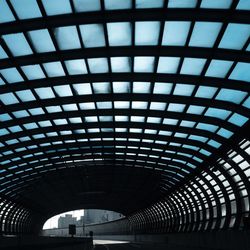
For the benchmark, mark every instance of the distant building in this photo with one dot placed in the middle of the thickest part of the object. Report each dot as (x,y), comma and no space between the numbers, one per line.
(64,221)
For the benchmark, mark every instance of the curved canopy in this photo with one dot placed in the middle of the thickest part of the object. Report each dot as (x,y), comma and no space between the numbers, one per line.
(115,104)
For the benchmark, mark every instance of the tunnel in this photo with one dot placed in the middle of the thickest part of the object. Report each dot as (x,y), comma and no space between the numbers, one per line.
(135,106)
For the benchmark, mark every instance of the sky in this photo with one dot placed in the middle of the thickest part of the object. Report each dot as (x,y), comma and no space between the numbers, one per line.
(52,222)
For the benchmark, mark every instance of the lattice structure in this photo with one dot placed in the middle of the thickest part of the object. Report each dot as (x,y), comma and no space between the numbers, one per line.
(137,106)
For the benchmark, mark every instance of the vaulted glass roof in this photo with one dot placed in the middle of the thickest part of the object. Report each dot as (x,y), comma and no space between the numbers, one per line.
(162,85)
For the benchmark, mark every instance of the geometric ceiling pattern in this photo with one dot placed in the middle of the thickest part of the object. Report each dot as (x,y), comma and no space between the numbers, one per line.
(156,87)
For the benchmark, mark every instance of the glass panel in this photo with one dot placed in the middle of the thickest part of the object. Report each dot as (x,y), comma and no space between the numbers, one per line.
(205,92)
(238,120)
(183,89)
(162,88)
(243,5)
(45,93)
(104,105)
(92,35)
(208,127)
(118,4)
(83,89)
(8,99)
(87,5)
(63,90)
(121,64)
(67,38)
(170,121)
(121,105)
(33,72)
(225,133)
(241,72)
(175,107)
(76,67)
(119,34)
(175,33)
(158,106)
(194,109)
(247,103)
(147,33)
(218,68)
(204,34)
(98,65)
(168,65)
(41,40)
(11,75)
(144,64)
(6,14)
(141,87)
(17,44)
(101,87)
(230,95)
(121,87)
(25,95)
(37,111)
(87,105)
(54,69)
(141,4)
(182,3)
(3,54)
(31,9)
(56,7)
(215,4)
(192,66)
(235,36)
(20,114)
(218,113)
(139,105)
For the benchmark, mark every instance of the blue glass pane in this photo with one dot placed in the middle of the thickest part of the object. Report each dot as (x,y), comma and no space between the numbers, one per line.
(208,127)
(15,129)
(21,114)
(215,4)
(241,72)
(33,72)
(54,69)
(175,107)
(225,133)
(175,33)
(117,4)
(83,89)
(168,65)
(144,64)
(198,138)
(141,4)
(5,117)
(11,75)
(187,124)
(235,36)
(182,3)
(67,38)
(205,92)
(92,35)
(56,7)
(194,109)
(3,54)
(214,144)
(8,99)
(183,89)
(121,87)
(141,87)
(147,33)
(37,111)
(25,95)
(98,65)
(247,103)
(162,88)
(26,8)
(120,64)
(41,40)
(218,113)
(45,93)
(119,34)
(6,14)
(76,67)
(243,5)
(238,120)
(192,66)
(63,90)
(101,87)
(230,95)
(17,44)
(87,5)
(204,34)
(218,68)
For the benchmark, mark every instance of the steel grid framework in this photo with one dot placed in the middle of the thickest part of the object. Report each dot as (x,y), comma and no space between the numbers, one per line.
(140,123)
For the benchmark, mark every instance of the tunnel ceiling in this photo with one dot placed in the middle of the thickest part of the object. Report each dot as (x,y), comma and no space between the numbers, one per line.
(115,104)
